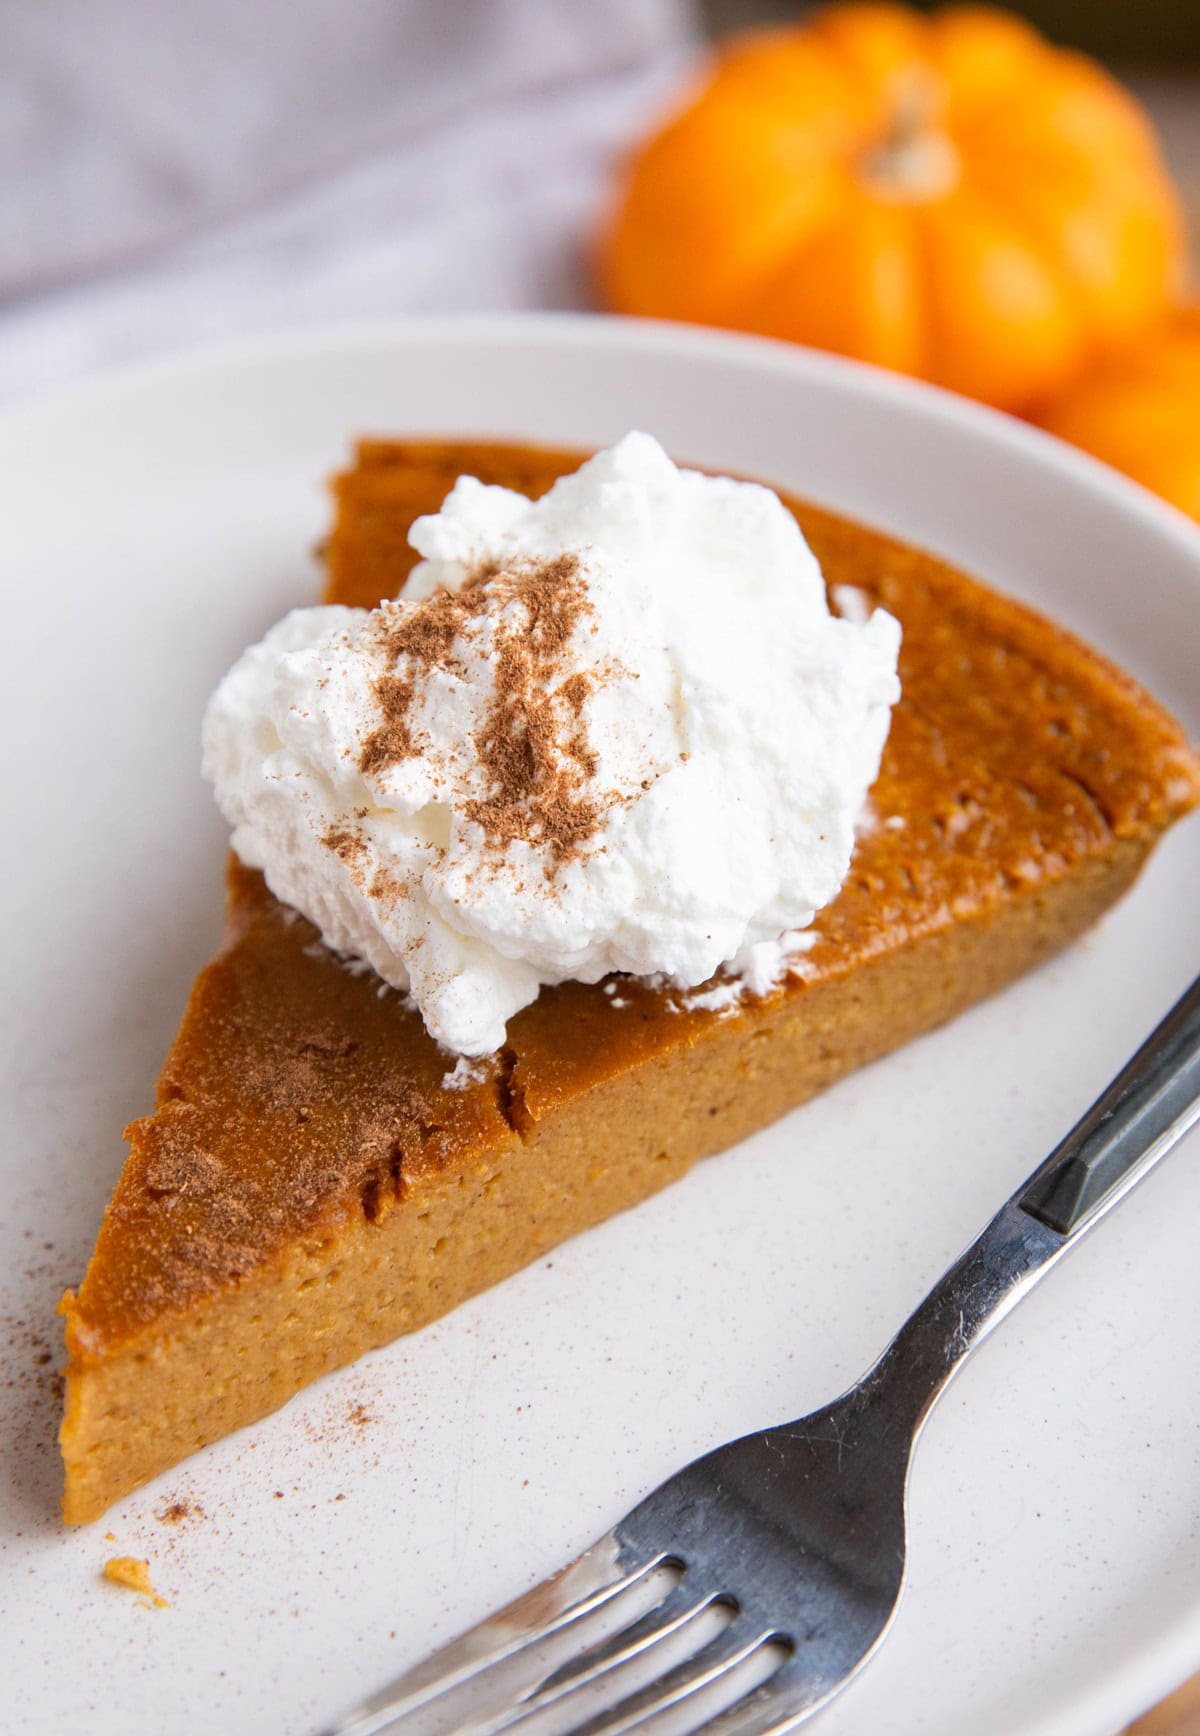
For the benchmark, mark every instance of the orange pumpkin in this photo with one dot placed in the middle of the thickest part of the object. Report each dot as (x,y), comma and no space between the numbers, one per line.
(1142,413)
(948,195)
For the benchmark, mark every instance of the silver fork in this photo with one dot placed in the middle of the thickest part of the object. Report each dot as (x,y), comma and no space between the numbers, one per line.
(800,1530)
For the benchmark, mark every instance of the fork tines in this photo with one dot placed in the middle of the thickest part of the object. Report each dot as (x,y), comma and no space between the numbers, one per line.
(608,1577)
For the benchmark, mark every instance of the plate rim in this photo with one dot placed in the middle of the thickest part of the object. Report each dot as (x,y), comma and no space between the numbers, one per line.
(772,355)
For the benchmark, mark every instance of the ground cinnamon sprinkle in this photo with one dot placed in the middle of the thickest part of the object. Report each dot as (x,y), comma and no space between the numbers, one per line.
(182,1510)
(345,842)
(424,636)
(532,743)
(393,740)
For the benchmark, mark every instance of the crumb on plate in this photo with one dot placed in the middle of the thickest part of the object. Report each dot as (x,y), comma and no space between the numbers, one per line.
(127,1570)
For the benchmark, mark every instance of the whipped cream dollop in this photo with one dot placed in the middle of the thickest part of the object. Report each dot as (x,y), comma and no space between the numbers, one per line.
(614,729)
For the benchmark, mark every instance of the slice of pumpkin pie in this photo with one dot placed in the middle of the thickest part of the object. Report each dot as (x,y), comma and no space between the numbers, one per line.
(393,1085)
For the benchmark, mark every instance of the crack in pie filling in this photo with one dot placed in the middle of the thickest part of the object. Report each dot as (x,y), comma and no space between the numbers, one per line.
(320,1173)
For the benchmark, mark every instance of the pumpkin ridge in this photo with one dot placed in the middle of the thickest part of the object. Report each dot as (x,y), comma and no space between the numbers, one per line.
(996,358)
(1022,221)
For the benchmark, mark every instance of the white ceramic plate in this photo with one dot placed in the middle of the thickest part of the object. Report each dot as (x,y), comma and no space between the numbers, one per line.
(153,524)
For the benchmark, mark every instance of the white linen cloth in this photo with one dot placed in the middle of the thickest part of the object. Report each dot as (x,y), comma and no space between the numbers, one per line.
(182,171)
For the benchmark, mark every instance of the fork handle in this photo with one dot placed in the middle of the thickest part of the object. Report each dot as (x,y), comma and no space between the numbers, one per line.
(1150,1105)
(1133,1123)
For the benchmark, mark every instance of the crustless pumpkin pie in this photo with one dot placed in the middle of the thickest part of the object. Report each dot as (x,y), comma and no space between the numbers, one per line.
(307,1186)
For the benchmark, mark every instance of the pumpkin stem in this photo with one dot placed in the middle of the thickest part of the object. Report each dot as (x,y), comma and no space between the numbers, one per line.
(915,162)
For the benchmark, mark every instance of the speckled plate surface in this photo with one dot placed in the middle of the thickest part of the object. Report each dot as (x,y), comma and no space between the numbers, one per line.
(154,523)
